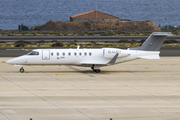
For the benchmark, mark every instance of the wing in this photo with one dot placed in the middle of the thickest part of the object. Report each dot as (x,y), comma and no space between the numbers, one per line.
(112,61)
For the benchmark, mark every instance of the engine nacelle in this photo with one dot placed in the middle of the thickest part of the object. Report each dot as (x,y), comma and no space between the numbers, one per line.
(111,52)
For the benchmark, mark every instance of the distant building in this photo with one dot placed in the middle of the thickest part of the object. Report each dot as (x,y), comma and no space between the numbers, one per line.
(23,27)
(93,15)
(172,27)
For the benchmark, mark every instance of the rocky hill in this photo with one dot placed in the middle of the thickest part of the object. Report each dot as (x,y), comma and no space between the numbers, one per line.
(98,26)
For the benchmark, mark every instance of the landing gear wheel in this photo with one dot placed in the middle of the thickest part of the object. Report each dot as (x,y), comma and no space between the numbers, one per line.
(92,68)
(97,70)
(21,70)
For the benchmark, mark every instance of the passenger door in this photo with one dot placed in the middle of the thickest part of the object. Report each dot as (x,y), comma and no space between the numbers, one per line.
(46,54)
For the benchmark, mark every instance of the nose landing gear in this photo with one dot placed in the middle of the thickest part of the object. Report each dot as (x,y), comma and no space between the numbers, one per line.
(21,70)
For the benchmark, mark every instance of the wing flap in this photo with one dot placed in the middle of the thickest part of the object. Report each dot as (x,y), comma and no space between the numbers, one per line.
(92,63)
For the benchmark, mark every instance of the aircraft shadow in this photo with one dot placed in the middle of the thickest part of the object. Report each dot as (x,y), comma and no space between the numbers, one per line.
(87,72)
(111,72)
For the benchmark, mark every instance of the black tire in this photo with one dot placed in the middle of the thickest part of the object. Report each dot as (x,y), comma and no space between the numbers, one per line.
(97,71)
(21,70)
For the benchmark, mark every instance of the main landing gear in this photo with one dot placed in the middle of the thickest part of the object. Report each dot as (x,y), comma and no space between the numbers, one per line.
(96,69)
(21,70)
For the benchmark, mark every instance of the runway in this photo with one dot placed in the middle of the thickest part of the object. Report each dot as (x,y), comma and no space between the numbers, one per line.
(136,90)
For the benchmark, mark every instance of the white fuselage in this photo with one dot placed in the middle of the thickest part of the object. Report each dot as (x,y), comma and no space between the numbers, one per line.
(81,57)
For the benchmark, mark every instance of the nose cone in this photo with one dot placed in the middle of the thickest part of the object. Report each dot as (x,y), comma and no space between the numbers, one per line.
(16,61)
(10,61)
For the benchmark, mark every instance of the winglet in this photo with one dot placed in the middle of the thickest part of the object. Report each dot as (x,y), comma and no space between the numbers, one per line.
(113,60)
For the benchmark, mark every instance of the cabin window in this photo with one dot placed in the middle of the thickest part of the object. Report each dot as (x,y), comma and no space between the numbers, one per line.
(85,54)
(57,54)
(90,54)
(69,54)
(33,53)
(75,54)
(63,54)
(51,54)
(80,54)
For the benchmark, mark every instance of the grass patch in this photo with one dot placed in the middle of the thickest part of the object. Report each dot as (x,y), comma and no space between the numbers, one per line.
(57,44)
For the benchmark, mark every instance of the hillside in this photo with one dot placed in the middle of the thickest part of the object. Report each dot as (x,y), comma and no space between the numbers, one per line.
(98,26)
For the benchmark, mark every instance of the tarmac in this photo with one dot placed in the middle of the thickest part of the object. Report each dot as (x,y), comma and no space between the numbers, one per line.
(135,90)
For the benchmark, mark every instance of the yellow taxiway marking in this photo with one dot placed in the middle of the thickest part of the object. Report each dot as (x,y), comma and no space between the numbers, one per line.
(3,61)
(91,75)
(58,74)
(23,72)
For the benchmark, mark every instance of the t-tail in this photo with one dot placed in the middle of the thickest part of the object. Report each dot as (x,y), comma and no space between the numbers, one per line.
(153,42)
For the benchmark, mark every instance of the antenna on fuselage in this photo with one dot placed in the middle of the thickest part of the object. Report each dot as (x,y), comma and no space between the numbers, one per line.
(78,47)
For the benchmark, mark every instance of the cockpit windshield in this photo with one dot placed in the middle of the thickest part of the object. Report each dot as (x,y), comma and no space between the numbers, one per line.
(33,53)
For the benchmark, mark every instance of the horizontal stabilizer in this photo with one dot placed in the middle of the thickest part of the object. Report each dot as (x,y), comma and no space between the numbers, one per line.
(150,57)
(162,33)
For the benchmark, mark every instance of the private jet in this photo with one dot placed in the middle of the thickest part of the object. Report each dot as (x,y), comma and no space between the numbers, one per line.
(93,58)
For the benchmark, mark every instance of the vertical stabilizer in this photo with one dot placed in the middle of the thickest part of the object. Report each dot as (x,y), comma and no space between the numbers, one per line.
(153,42)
